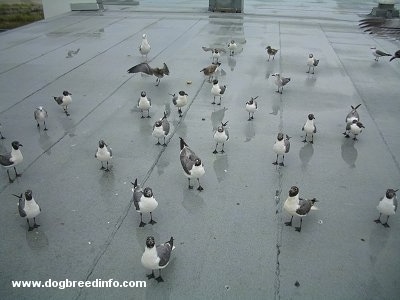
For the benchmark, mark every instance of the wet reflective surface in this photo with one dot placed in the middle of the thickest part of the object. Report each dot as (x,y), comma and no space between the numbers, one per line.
(231,241)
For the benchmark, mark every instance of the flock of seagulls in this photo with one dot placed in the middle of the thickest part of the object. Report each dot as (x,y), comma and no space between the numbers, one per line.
(157,257)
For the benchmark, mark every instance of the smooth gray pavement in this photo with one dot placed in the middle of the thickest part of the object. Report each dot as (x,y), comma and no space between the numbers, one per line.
(231,241)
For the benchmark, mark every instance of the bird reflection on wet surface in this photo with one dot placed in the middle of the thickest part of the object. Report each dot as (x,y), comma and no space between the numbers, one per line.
(349,152)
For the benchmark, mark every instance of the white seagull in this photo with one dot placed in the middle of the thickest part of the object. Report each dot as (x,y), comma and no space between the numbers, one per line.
(281,146)
(387,206)
(64,101)
(191,164)
(232,47)
(144,103)
(355,128)
(280,82)
(144,47)
(144,202)
(161,129)
(41,115)
(309,128)
(378,53)
(221,135)
(11,159)
(157,257)
(251,107)
(217,91)
(180,101)
(296,206)
(28,208)
(312,62)
(103,154)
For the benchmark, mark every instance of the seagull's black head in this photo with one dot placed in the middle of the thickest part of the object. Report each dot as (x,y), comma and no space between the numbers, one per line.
(250,102)
(294,190)
(143,94)
(28,195)
(310,55)
(220,129)
(182,93)
(311,117)
(150,243)
(158,123)
(148,192)
(66,93)
(215,81)
(268,47)
(102,144)
(16,145)
(354,121)
(280,136)
(232,42)
(390,193)
(215,51)
(197,162)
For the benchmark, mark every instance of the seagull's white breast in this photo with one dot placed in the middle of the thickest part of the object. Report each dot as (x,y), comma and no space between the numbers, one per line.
(251,107)
(16,156)
(147,204)
(158,132)
(181,101)
(215,90)
(220,137)
(150,260)
(355,129)
(309,126)
(31,209)
(279,147)
(144,103)
(291,205)
(67,100)
(386,207)
(103,154)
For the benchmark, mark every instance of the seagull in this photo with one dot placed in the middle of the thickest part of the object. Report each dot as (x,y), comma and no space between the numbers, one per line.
(161,129)
(28,208)
(71,53)
(232,47)
(11,159)
(309,128)
(217,90)
(280,81)
(215,52)
(312,62)
(296,206)
(221,135)
(104,153)
(180,101)
(251,107)
(353,114)
(355,128)
(40,114)
(146,69)
(378,53)
(210,70)
(1,135)
(64,101)
(191,164)
(387,206)
(157,257)
(396,55)
(281,146)
(144,47)
(271,51)
(144,103)
(144,202)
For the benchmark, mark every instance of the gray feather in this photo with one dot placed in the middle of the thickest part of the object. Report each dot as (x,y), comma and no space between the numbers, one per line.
(21,207)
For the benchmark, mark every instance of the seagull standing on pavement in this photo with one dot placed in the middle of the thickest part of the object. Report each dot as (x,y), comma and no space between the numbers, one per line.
(217,91)
(161,129)
(146,69)
(280,82)
(251,107)
(232,47)
(11,159)
(271,52)
(157,257)
(309,128)
(355,128)
(296,206)
(103,154)
(387,206)
(191,164)
(28,208)
(64,101)
(40,114)
(144,47)
(211,70)
(312,62)
(144,103)
(396,55)
(180,101)
(215,53)
(281,146)
(144,202)
(221,135)
(378,53)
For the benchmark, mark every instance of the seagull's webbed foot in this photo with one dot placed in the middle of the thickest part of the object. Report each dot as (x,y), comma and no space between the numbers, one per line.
(275,163)
(355,139)
(152,222)
(281,164)
(45,129)
(304,141)
(222,151)
(298,229)
(36,225)
(200,188)
(142,117)
(150,276)
(30,228)
(378,221)
(142,224)
(158,143)
(386,225)
(159,279)
(215,151)
(346,136)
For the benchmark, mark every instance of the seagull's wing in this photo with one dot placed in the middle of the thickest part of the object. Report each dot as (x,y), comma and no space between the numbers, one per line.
(165,126)
(187,158)
(164,253)
(348,126)
(35,114)
(315,128)
(165,69)
(381,53)
(285,80)
(221,50)
(206,49)
(223,88)
(305,207)
(137,194)
(5,159)
(395,203)
(59,99)
(109,150)
(302,128)
(316,61)
(287,145)
(174,99)
(141,68)
(227,134)
(21,207)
